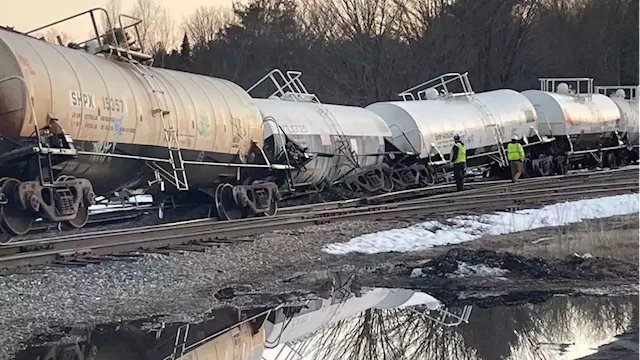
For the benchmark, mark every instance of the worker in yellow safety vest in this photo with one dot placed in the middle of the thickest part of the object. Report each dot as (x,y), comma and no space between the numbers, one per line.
(515,155)
(459,160)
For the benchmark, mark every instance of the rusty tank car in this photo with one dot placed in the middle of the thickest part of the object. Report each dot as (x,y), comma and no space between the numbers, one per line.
(92,118)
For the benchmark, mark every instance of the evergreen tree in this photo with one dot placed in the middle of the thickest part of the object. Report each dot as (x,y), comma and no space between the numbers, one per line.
(185,53)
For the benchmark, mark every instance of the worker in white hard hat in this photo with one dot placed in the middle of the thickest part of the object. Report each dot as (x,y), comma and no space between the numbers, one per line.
(458,158)
(515,155)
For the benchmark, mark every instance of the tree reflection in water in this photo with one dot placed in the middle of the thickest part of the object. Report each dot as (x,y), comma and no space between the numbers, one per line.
(559,328)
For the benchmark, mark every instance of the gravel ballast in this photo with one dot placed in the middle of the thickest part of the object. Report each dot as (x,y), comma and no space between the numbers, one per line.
(181,286)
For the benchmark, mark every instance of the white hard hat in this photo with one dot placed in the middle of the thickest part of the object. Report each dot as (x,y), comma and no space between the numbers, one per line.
(514,137)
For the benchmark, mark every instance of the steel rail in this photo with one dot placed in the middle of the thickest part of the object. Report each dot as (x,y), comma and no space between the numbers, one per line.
(432,191)
(474,187)
(318,211)
(145,239)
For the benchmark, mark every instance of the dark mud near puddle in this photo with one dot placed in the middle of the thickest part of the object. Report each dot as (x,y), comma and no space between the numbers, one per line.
(526,279)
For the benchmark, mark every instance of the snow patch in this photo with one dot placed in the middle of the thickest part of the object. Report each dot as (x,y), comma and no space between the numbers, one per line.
(417,272)
(466,228)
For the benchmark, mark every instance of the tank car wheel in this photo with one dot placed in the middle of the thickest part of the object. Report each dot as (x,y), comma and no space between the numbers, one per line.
(273,209)
(561,165)
(82,216)
(426,179)
(5,239)
(226,204)
(545,165)
(624,159)
(13,220)
(387,182)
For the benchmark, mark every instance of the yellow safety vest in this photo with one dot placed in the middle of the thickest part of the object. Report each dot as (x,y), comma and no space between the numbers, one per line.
(462,154)
(515,152)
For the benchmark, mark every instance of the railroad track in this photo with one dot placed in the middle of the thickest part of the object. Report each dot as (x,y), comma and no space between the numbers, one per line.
(135,216)
(200,235)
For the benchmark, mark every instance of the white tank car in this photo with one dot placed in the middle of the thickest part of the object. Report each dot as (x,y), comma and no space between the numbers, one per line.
(584,124)
(106,122)
(343,141)
(427,120)
(626,98)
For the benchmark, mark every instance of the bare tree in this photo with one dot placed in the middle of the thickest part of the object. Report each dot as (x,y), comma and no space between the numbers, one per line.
(203,25)
(114,9)
(165,32)
(149,12)
(52,35)
(370,30)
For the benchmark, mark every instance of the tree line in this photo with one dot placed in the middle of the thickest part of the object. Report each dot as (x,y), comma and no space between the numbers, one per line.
(362,51)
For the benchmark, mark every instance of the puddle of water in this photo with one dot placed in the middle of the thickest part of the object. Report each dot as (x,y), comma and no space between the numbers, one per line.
(376,324)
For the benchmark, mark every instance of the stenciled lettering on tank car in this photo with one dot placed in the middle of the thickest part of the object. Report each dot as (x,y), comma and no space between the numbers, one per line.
(83,100)
(113,104)
(449,134)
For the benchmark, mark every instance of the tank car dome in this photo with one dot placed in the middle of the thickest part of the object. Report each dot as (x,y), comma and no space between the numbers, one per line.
(432,94)
(621,94)
(563,88)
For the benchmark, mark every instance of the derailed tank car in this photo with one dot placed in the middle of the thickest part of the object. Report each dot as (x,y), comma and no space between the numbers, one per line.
(90,118)
(431,113)
(626,98)
(348,144)
(584,124)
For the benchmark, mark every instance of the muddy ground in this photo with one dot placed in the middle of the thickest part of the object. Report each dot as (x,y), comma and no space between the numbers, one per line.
(598,256)
(289,266)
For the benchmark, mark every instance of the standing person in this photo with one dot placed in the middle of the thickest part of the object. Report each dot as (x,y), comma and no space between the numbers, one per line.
(515,155)
(459,160)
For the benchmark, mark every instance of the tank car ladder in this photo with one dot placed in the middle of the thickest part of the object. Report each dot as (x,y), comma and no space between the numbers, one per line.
(495,129)
(343,144)
(170,131)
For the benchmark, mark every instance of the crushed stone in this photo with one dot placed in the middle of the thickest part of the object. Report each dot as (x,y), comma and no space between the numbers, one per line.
(179,286)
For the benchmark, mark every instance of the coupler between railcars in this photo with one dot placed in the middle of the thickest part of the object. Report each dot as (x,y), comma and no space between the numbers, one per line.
(241,201)
(65,200)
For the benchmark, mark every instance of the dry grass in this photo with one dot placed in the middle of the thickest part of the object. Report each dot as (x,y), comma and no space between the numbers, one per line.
(615,237)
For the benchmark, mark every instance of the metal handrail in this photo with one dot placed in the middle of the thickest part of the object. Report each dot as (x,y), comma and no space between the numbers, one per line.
(440,82)
(633,90)
(291,84)
(549,85)
(111,30)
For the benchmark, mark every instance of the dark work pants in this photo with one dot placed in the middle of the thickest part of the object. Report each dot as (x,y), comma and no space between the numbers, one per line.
(458,173)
